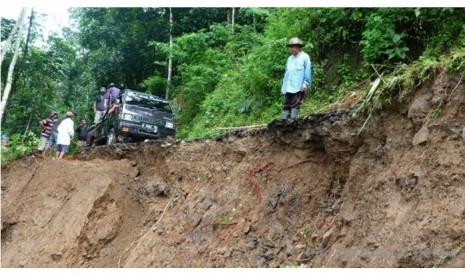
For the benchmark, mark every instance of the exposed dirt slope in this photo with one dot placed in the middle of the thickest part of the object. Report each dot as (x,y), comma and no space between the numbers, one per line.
(311,191)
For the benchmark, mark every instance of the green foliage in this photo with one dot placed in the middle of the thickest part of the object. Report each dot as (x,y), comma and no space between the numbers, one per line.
(306,232)
(436,112)
(226,219)
(441,28)
(155,85)
(223,78)
(19,146)
(247,90)
(380,38)
(397,85)
(6,27)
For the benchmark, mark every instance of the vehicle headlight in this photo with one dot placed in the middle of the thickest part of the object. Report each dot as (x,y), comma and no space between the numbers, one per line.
(127,116)
(169,125)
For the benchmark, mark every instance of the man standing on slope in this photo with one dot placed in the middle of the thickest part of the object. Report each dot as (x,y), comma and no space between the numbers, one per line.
(65,133)
(297,79)
(46,125)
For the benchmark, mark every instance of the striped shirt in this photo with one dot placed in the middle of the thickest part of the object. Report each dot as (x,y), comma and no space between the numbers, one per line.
(48,125)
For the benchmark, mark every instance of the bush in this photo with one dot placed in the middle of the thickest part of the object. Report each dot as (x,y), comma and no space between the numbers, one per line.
(19,147)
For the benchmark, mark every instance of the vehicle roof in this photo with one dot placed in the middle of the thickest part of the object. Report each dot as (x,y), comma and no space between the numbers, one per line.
(130,91)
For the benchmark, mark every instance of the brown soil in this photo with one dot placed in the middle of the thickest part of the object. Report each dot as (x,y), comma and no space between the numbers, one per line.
(311,192)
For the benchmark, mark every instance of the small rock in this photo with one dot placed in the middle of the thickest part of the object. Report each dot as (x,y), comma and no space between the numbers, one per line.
(273,201)
(262,263)
(227,253)
(162,189)
(247,229)
(235,235)
(326,238)
(289,248)
(307,253)
(149,187)
(22,263)
(222,250)
(268,255)
(133,163)
(269,244)
(251,245)
(134,173)
(421,136)
(57,256)
(119,151)
(463,133)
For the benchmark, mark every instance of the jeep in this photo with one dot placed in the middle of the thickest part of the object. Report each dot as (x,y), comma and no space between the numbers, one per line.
(137,117)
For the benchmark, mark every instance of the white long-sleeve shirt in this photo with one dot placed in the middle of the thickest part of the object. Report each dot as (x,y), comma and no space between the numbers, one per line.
(298,73)
(65,132)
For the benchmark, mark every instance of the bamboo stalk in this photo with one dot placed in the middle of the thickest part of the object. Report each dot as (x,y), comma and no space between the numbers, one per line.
(240,128)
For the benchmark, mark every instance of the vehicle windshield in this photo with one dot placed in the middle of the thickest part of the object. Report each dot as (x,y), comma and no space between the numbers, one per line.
(148,102)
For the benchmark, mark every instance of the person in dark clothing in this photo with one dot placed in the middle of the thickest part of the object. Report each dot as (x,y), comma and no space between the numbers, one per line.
(110,97)
(100,105)
(82,132)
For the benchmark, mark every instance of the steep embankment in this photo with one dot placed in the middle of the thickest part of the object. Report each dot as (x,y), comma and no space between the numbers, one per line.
(311,191)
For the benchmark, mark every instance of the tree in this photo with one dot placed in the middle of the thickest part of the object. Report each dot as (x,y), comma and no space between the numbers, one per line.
(13,32)
(9,80)
(170,57)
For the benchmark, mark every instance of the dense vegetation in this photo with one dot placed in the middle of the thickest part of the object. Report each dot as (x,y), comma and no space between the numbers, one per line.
(228,64)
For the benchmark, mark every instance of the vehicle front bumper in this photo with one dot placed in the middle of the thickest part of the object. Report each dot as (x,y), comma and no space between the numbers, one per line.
(137,132)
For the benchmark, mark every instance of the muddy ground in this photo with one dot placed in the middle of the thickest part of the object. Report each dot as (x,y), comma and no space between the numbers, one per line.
(313,191)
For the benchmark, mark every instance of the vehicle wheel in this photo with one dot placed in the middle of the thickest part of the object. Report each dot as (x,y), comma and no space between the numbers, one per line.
(112,138)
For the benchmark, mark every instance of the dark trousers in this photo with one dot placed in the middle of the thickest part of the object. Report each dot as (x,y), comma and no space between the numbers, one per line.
(292,100)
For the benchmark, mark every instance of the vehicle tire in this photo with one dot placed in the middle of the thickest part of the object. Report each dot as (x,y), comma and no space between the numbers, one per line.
(112,138)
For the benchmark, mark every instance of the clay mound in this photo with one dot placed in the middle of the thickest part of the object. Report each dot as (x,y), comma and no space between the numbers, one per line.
(311,191)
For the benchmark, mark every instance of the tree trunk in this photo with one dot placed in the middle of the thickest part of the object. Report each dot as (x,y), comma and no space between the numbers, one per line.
(9,79)
(27,128)
(25,53)
(233,12)
(170,57)
(4,50)
(254,18)
(28,37)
